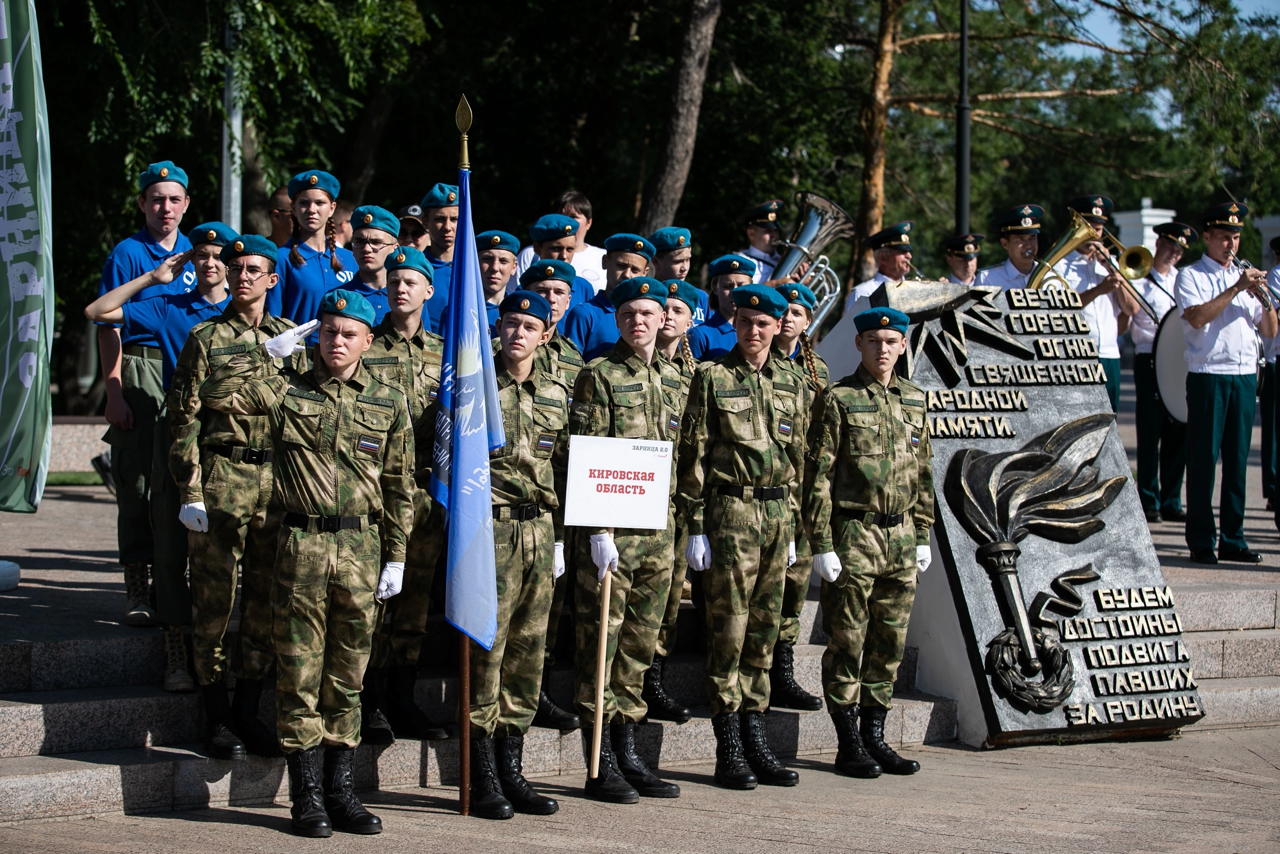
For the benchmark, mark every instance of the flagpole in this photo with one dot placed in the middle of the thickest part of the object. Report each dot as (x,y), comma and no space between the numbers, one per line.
(597,727)
(463,120)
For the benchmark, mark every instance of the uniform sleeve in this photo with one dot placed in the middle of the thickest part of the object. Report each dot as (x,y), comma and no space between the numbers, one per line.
(147,314)
(184,412)
(1186,291)
(560,477)
(232,388)
(694,441)
(824,448)
(397,485)
(922,514)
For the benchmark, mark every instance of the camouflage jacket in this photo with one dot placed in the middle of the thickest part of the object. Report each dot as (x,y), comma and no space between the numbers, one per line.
(531,467)
(868,451)
(798,365)
(209,345)
(560,355)
(741,428)
(413,366)
(341,448)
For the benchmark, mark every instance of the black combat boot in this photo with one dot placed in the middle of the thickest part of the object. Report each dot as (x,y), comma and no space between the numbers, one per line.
(662,706)
(784,691)
(307,795)
(374,726)
(487,800)
(344,808)
(767,768)
(609,785)
(219,739)
(732,770)
(873,737)
(516,789)
(258,739)
(852,759)
(622,737)
(551,716)
(406,719)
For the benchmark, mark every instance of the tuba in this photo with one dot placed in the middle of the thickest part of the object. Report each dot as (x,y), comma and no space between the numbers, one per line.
(820,221)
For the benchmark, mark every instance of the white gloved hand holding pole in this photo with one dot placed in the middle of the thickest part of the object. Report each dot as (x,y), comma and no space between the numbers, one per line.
(392,579)
(604,554)
(923,558)
(697,552)
(559,560)
(291,340)
(827,565)
(194,517)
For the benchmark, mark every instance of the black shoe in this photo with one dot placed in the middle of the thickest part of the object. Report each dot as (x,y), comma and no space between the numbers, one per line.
(1270,505)
(406,719)
(755,746)
(219,739)
(487,800)
(551,716)
(872,731)
(1234,555)
(852,759)
(1153,517)
(622,736)
(340,801)
(662,707)
(307,795)
(784,691)
(732,770)
(608,785)
(1205,556)
(515,788)
(1174,515)
(374,726)
(258,739)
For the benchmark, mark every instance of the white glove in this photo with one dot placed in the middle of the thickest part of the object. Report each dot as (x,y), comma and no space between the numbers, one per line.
(559,564)
(828,566)
(697,553)
(923,558)
(604,554)
(290,341)
(392,579)
(194,517)
(791,553)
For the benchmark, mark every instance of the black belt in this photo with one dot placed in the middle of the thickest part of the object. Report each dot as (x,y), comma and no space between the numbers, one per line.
(325,524)
(253,456)
(519,513)
(144,352)
(759,493)
(880,520)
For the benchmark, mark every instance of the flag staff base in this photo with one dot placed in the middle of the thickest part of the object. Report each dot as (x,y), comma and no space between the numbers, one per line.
(598,727)
(464,724)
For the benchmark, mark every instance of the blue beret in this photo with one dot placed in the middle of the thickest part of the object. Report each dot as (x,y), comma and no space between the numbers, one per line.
(248,244)
(798,294)
(527,302)
(552,227)
(760,298)
(1092,208)
(641,287)
(217,233)
(1021,219)
(548,268)
(440,196)
(1228,216)
(882,318)
(497,240)
(670,239)
(408,258)
(683,291)
(314,180)
(347,304)
(728,264)
(632,243)
(162,171)
(1183,235)
(372,216)
(895,236)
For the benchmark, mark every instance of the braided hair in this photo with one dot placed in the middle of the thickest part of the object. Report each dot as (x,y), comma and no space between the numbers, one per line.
(810,363)
(295,257)
(686,353)
(330,239)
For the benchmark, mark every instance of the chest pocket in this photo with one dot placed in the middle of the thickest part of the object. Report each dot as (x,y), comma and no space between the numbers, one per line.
(737,418)
(302,421)
(785,410)
(913,418)
(630,416)
(864,431)
(548,421)
(372,425)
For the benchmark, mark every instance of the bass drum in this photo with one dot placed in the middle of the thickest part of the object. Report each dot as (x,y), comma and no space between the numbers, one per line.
(1169,355)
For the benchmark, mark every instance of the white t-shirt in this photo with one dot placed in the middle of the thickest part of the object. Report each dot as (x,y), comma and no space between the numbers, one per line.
(1103,313)
(1142,329)
(1004,276)
(1228,344)
(586,263)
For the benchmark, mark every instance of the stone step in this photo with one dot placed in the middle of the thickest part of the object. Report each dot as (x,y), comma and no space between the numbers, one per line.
(1245,701)
(137,659)
(1235,654)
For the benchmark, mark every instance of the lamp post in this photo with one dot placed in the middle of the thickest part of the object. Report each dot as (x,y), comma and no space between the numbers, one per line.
(232,130)
(962,126)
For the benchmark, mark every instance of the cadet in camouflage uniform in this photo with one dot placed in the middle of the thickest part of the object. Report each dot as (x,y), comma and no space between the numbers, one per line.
(741,449)
(632,393)
(406,355)
(343,457)
(528,476)
(222,467)
(869,505)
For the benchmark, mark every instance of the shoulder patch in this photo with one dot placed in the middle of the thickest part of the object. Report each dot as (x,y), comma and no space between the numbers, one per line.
(733,392)
(862,407)
(306,395)
(376,401)
(548,401)
(382,360)
(671,383)
(227,351)
(620,389)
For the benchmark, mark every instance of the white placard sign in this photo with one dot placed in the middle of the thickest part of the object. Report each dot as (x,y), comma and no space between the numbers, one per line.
(618,483)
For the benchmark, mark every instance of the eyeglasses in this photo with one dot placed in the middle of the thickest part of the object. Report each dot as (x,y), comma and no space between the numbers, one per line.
(235,271)
(376,245)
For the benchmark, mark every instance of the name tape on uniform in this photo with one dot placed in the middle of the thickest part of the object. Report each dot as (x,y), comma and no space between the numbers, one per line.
(618,483)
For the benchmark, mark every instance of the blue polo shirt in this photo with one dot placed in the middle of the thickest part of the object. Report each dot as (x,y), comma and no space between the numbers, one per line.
(492,311)
(713,339)
(133,256)
(580,292)
(441,277)
(170,318)
(592,326)
(298,293)
(377,298)
(700,313)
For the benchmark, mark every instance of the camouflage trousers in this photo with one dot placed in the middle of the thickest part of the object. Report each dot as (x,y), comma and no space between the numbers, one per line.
(399,637)
(169,536)
(743,588)
(325,612)
(132,456)
(241,541)
(505,680)
(667,635)
(865,612)
(637,602)
(795,590)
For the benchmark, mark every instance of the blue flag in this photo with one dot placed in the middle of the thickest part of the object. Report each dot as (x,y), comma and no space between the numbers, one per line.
(468,426)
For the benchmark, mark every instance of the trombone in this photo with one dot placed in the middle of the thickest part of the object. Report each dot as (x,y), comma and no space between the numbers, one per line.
(1135,261)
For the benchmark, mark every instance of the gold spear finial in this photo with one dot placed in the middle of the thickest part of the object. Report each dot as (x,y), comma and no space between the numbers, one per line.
(463,119)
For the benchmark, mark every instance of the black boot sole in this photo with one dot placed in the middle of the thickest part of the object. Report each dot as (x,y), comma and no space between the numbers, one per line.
(494,815)
(736,785)
(360,830)
(785,783)
(527,809)
(664,792)
(606,798)
(901,772)
(235,754)
(860,773)
(795,703)
(312,832)
(667,716)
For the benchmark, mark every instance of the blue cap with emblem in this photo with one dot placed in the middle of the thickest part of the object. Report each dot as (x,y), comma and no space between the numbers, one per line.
(633,243)
(347,304)
(527,302)
(1228,216)
(683,291)
(314,180)
(548,268)
(1020,219)
(760,298)
(798,294)
(248,244)
(670,239)
(552,227)
(215,233)
(641,287)
(408,258)
(882,318)
(727,265)
(372,216)
(165,170)
(497,240)
(440,196)
(1183,235)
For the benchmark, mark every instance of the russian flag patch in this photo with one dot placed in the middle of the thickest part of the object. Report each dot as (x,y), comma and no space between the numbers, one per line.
(546,441)
(784,427)
(432,396)
(673,424)
(915,439)
(368,444)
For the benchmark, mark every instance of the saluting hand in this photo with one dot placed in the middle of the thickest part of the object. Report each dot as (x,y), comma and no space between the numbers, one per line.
(169,268)
(290,341)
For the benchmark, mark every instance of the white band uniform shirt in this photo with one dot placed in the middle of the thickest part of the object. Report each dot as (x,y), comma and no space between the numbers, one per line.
(1157,290)
(860,297)
(766,263)
(1271,346)
(1004,276)
(1226,345)
(1102,314)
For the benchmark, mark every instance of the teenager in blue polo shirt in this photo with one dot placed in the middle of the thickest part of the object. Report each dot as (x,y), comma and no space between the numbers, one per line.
(673,258)
(592,326)
(440,219)
(716,337)
(496,251)
(555,237)
(374,233)
(311,264)
(169,317)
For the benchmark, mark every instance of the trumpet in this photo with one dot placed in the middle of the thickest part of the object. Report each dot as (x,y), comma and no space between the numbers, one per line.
(1261,292)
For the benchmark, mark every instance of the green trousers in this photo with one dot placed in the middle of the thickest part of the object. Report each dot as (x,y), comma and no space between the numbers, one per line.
(132,456)
(1220,412)
(399,638)
(1267,409)
(1112,369)
(1162,443)
(169,559)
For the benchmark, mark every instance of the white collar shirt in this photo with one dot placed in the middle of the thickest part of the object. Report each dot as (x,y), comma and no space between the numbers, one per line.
(860,297)
(1271,346)
(1157,290)
(1004,276)
(766,262)
(1102,313)
(1228,344)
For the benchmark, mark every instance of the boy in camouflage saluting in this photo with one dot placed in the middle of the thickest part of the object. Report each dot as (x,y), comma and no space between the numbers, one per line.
(869,505)
(343,477)
(741,449)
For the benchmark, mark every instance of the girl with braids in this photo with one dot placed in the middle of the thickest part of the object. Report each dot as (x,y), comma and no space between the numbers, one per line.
(793,340)
(311,263)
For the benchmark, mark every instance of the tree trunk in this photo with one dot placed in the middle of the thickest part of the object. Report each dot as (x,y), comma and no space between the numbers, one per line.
(875,118)
(675,156)
(360,158)
(255,195)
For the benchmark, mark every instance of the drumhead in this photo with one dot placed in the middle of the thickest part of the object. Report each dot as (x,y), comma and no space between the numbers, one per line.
(1169,354)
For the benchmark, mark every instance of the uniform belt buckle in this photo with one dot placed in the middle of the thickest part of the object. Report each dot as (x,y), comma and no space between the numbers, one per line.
(254,456)
(330,524)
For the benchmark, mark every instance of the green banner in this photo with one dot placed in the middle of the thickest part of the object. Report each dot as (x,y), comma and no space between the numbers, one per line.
(26,265)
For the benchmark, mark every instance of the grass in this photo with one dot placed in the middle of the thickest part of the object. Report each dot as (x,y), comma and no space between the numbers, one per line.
(73,478)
